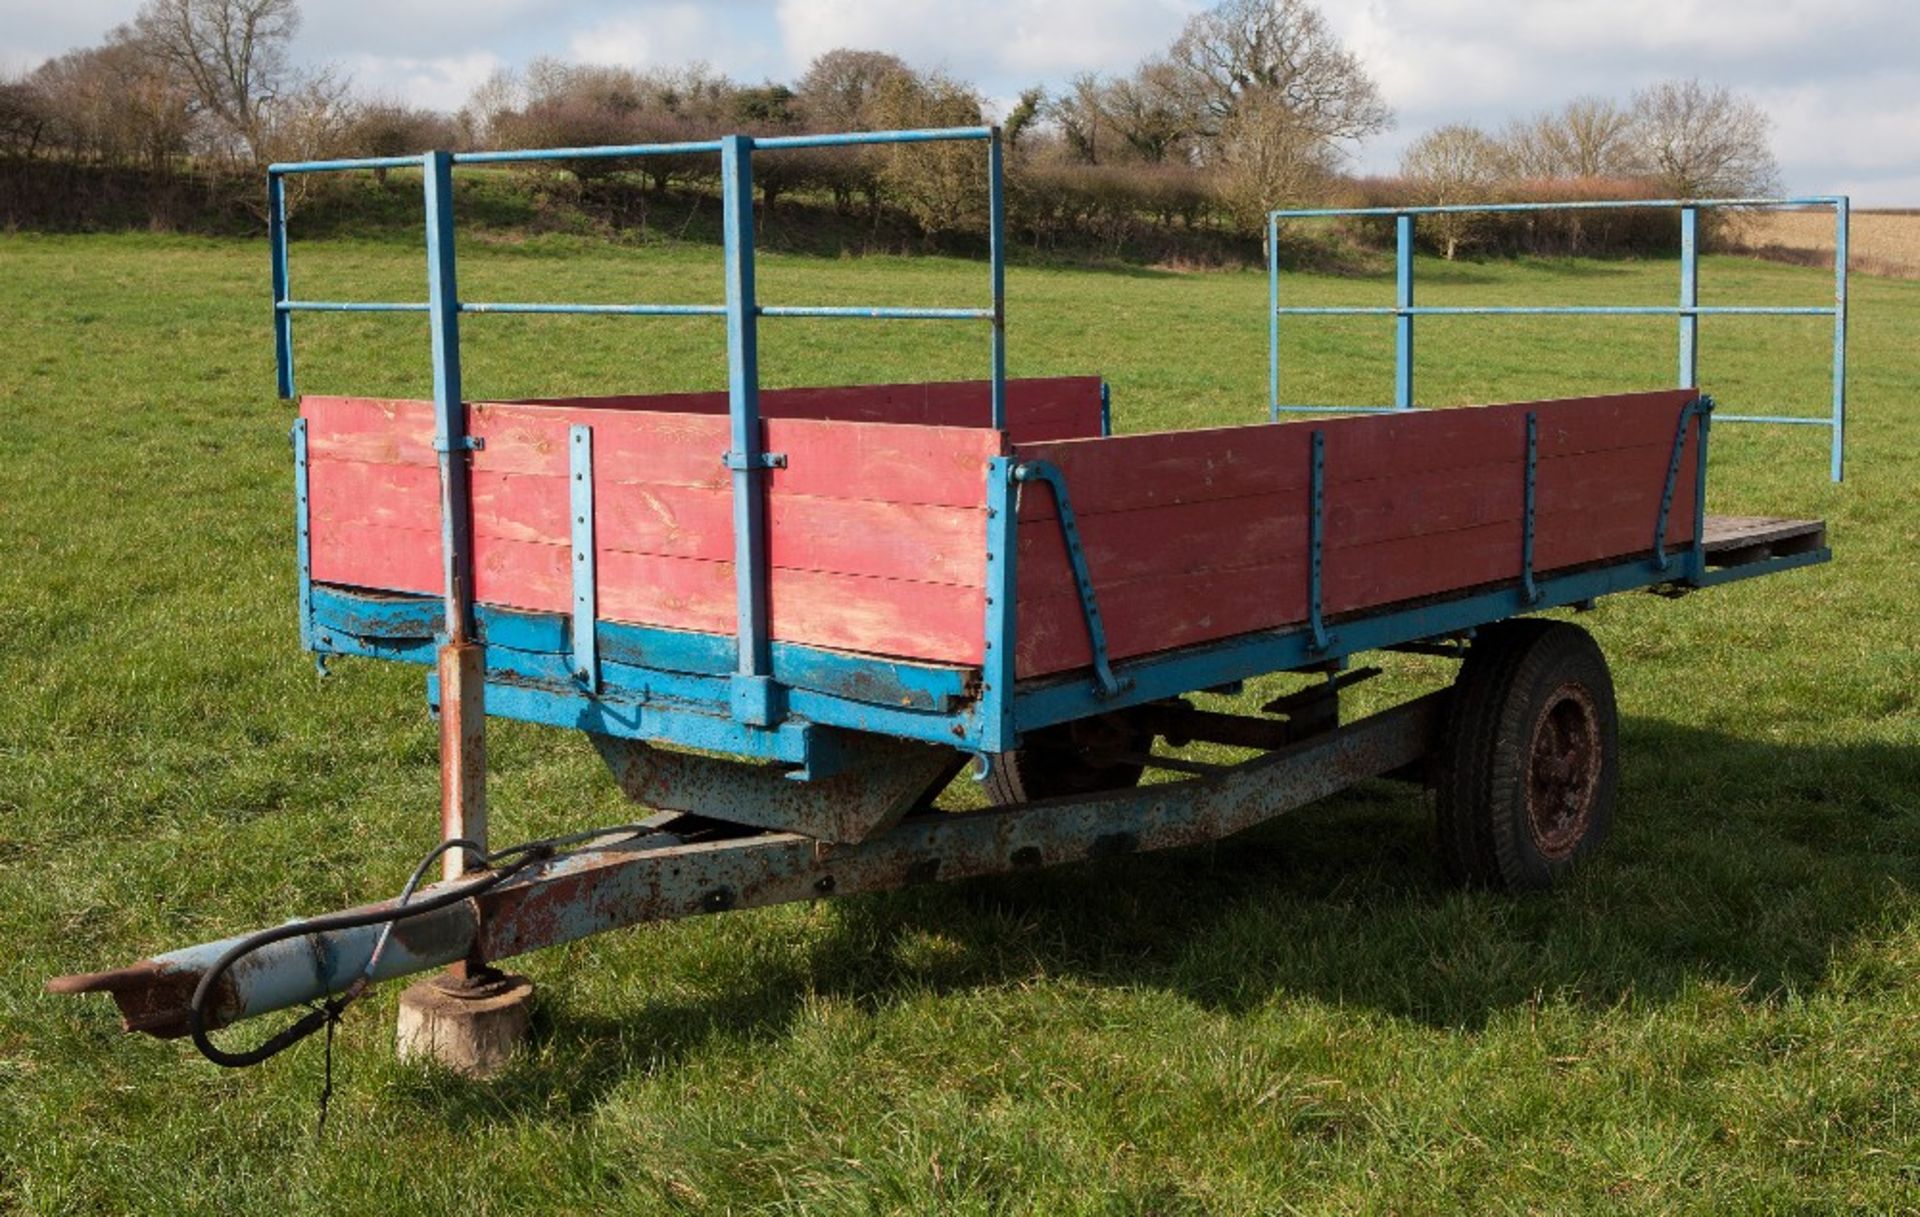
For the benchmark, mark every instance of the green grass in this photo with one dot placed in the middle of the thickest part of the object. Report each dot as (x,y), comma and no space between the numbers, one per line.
(1721,1013)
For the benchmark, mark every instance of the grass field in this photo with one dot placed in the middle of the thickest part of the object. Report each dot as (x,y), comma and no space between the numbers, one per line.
(1721,1013)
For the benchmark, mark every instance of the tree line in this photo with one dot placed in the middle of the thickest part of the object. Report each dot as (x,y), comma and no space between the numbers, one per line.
(1255,105)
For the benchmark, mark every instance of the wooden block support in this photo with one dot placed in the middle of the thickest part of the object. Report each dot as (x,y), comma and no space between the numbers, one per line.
(471,1033)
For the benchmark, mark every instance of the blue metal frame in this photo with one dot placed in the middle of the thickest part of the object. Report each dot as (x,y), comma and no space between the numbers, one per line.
(1688,310)
(756,696)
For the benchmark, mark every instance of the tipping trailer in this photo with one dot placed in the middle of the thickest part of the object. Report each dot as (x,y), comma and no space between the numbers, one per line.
(788,618)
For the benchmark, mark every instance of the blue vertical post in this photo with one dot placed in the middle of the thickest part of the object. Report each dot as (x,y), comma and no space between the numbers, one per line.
(997,257)
(998,670)
(1841,206)
(1689,296)
(449,408)
(282,318)
(1273,319)
(462,661)
(1403,320)
(752,694)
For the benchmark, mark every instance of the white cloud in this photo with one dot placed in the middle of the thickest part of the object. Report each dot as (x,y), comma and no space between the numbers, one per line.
(442,83)
(666,35)
(1012,39)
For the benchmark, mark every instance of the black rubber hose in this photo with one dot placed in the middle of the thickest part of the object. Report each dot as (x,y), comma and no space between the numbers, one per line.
(525,855)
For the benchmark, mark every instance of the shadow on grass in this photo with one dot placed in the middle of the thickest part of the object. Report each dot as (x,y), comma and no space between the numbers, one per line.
(1733,863)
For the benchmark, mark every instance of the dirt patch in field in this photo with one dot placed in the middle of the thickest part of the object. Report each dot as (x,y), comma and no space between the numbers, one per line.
(1878,242)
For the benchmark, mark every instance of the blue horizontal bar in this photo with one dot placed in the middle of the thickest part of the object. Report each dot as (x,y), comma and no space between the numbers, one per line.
(872,137)
(1819,200)
(892,314)
(358,162)
(595,153)
(1340,409)
(1552,310)
(1793,419)
(624,310)
(348,306)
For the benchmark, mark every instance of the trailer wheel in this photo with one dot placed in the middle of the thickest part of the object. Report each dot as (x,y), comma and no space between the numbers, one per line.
(1529,760)
(1072,758)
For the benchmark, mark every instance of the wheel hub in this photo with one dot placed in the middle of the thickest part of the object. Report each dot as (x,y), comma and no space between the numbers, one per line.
(1563,769)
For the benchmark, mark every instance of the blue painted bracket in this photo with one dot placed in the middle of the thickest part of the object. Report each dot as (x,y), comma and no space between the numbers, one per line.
(1046,471)
(303,533)
(586,661)
(1700,408)
(999,669)
(1528,587)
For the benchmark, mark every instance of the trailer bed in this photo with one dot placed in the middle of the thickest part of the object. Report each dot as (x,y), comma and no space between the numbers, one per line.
(1208,556)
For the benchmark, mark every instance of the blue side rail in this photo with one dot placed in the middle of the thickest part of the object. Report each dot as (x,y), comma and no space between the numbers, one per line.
(755,699)
(1688,310)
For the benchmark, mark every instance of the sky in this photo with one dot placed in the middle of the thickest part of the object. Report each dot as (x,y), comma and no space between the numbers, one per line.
(1840,78)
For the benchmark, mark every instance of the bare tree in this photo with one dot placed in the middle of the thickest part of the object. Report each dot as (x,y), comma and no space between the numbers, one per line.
(837,90)
(1081,115)
(1450,165)
(113,103)
(1149,111)
(1264,157)
(23,118)
(1704,140)
(1590,137)
(1282,52)
(233,54)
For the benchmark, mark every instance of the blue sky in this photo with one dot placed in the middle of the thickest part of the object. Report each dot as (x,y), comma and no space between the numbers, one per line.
(1840,78)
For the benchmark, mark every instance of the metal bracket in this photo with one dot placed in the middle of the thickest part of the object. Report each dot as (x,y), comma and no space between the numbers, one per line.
(1046,471)
(764,460)
(303,533)
(1701,408)
(1316,538)
(586,661)
(1528,588)
(466,443)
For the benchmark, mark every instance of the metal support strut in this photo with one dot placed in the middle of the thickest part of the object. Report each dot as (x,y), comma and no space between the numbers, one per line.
(1046,471)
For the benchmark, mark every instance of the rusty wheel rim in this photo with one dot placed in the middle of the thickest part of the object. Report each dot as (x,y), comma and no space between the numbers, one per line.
(1563,770)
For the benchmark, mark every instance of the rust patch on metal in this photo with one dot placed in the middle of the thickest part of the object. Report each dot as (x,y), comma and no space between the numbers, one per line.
(153,998)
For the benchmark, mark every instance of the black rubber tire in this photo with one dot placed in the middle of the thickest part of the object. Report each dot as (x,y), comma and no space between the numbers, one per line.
(1058,761)
(1529,762)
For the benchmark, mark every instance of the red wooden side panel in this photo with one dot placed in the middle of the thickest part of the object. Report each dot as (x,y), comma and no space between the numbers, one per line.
(1038,409)
(876,531)
(1197,535)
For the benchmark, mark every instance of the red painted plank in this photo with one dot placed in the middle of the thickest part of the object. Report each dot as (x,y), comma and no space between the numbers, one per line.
(1226,534)
(922,543)
(1045,408)
(830,458)
(848,612)
(1158,612)
(1212,553)
(1136,471)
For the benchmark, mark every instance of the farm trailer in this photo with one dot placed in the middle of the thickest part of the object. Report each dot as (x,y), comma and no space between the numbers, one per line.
(788,618)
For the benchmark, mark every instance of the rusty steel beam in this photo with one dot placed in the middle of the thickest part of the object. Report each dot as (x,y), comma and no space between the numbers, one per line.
(657,877)
(463,750)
